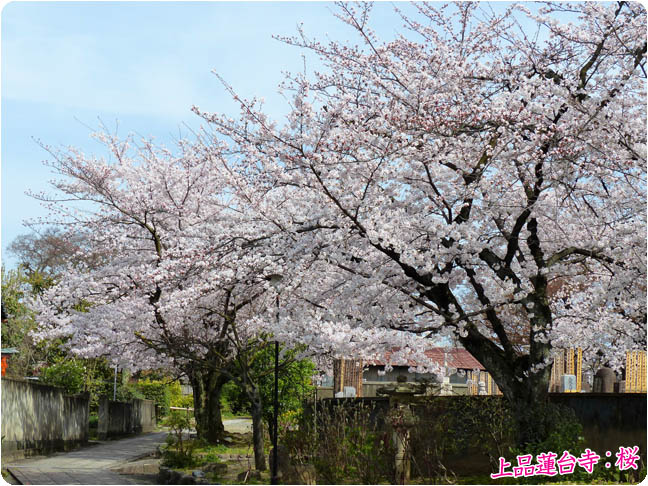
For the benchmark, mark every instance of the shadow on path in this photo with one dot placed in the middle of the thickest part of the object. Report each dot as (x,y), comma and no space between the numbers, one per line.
(89,465)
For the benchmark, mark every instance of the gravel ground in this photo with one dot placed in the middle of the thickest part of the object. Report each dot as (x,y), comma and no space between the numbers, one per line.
(239,426)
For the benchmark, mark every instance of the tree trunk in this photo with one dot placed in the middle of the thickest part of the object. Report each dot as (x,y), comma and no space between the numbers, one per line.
(527,394)
(526,391)
(523,379)
(207,386)
(531,410)
(257,428)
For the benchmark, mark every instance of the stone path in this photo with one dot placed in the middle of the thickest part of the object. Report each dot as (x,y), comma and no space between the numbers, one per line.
(90,465)
(99,463)
(239,426)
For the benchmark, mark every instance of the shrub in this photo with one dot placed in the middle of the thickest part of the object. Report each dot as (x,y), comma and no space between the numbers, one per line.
(484,425)
(450,426)
(177,398)
(128,392)
(68,374)
(564,434)
(353,442)
(349,446)
(93,421)
(179,452)
(157,390)
(294,384)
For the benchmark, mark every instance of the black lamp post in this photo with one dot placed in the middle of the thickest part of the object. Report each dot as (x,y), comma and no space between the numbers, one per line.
(274,479)
(115,385)
(275,425)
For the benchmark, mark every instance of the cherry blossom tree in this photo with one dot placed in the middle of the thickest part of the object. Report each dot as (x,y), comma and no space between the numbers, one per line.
(181,275)
(187,271)
(441,182)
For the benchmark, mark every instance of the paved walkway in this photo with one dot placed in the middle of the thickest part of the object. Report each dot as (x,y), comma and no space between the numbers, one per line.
(238,425)
(90,465)
(97,464)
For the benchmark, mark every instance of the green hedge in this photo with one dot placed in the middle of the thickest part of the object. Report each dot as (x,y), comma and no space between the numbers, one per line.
(158,391)
(165,394)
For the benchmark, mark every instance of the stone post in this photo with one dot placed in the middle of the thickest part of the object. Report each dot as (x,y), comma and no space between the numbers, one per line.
(400,436)
(604,380)
(402,420)
(446,386)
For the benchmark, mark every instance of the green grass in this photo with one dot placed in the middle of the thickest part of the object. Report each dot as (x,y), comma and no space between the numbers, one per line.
(228,415)
(216,450)
(204,454)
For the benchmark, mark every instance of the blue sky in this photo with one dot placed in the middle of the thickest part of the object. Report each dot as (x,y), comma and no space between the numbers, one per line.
(141,64)
(67,65)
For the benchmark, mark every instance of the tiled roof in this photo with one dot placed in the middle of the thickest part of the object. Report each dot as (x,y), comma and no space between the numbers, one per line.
(456,358)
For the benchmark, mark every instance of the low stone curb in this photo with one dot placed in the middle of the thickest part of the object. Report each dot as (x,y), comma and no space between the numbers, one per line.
(139,467)
(234,457)
(170,476)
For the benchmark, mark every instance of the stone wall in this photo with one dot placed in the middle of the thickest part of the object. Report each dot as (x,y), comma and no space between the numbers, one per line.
(38,419)
(144,416)
(122,418)
(370,388)
(609,420)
